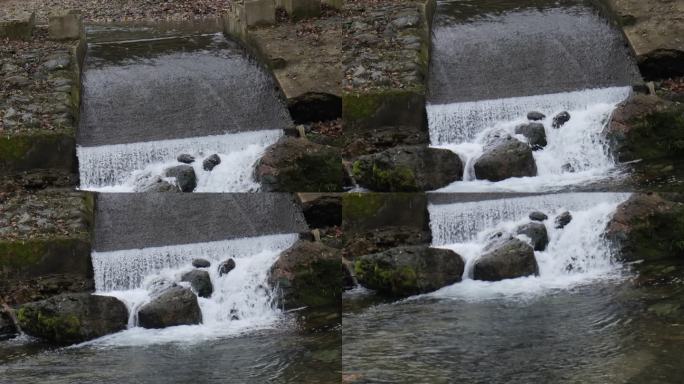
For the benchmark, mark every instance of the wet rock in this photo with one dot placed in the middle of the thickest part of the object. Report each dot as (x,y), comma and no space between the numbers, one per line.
(537,234)
(314,106)
(174,306)
(185,158)
(535,116)
(185,176)
(563,219)
(406,271)
(408,20)
(155,184)
(407,169)
(199,281)
(308,275)
(384,238)
(8,329)
(535,134)
(568,168)
(505,157)
(158,285)
(538,216)
(201,263)
(226,267)
(560,119)
(18,81)
(55,62)
(210,162)
(647,227)
(348,279)
(300,165)
(323,211)
(73,318)
(508,260)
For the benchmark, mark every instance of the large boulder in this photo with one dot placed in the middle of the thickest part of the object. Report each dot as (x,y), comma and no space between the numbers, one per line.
(539,238)
(323,211)
(308,275)
(647,227)
(199,281)
(411,270)
(408,169)
(535,134)
(509,259)
(173,306)
(299,165)
(186,180)
(505,157)
(7,327)
(73,318)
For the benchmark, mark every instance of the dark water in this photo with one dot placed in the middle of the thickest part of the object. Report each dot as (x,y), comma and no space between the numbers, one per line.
(138,220)
(612,332)
(279,356)
(506,48)
(145,84)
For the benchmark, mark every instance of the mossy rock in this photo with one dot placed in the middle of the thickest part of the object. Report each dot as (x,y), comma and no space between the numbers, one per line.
(411,270)
(656,135)
(39,150)
(308,275)
(73,318)
(297,165)
(392,107)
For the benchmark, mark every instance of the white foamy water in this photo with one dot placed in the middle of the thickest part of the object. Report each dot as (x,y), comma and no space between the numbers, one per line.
(579,144)
(124,167)
(241,302)
(576,254)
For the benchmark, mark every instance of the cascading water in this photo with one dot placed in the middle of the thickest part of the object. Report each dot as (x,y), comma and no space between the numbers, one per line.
(148,100)
(241,300)
(575,254)
(493,63)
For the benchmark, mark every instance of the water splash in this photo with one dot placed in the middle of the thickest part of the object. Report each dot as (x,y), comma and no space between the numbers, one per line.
(121,167)
(242,300)
(576,254)
(576,154)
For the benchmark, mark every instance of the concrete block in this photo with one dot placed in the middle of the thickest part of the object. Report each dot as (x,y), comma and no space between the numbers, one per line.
(19,27)
(302,9)
(66,25)
(259,12)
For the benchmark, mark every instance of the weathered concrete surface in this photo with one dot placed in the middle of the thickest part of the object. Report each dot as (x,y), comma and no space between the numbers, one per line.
(18,26)
(127,221)
(66,25)
(655,30)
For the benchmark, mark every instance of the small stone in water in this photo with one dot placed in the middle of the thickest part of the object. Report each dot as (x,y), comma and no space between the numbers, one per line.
(534,116)
(563,219)
(210,162)
(226,267)
(186,158)
(201,263)
(560,119)
(538,216)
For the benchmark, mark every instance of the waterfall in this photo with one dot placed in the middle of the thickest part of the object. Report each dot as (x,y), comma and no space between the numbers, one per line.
(241,300)
(575,254)
(122,167)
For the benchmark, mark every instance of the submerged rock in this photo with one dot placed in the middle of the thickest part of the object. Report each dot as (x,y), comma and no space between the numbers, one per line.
(73,318)
(200,282)
(538,216)
(8,329)
(409,270)
(308,275)
(323,211)
(174,306)
(507,260)
(300,165)
(408,169)
(563,219)
(155,184)
(185,177)
(186,158)
(210,162)
(201,263)
(567,167)
(535,134)
(505,157)
(226,267)
(537,234)
(647,227)
(535,116)
(560,119)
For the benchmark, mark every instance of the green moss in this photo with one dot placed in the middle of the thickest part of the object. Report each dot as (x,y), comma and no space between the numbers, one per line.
(44,150)
(317,284)
(657,135)
(361,206)
(55,327)
(383,178)
(386,278)
(359,106)
(659,236)
(313,172)
(19,257)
